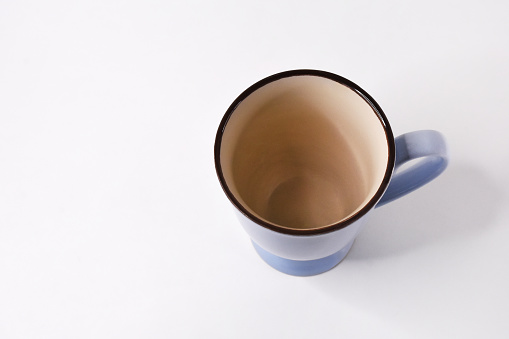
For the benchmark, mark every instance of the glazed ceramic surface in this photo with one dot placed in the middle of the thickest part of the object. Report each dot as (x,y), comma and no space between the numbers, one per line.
(304,156)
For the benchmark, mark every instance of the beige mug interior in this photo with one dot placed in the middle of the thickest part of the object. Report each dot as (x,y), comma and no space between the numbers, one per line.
(304,152)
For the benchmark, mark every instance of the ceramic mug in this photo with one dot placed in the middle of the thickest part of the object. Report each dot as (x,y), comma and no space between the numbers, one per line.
(305,156)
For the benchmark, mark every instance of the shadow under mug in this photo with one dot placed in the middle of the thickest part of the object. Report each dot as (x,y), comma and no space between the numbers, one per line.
(304,156)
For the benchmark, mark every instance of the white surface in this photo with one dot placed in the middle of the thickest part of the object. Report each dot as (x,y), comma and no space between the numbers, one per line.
(113,224)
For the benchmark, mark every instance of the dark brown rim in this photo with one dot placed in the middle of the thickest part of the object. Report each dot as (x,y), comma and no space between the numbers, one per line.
(325,229)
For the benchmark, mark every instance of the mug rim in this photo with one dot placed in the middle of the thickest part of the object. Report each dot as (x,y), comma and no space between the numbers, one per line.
(328,228)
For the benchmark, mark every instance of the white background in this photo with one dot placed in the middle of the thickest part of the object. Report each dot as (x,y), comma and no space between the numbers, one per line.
(112,221)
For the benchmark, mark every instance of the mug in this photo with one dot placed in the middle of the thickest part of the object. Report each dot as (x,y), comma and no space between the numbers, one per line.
(305,156)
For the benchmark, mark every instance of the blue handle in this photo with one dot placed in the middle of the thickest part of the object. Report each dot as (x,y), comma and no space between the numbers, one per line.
(428,145)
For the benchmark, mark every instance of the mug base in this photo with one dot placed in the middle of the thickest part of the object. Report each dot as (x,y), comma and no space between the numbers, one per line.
(303,268)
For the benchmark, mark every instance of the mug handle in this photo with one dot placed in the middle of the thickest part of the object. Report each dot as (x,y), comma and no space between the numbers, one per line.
(428,145)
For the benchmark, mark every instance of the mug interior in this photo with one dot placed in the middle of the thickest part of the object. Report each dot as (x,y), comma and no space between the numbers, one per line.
(303,152)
